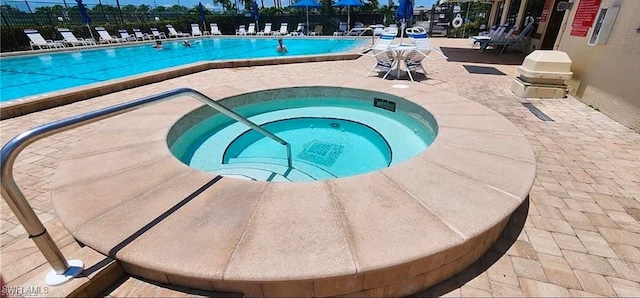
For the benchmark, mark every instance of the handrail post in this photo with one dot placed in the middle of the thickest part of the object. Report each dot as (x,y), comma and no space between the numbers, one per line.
(63,270)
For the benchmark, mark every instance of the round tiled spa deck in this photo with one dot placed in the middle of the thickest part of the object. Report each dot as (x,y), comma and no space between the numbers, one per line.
(391,232)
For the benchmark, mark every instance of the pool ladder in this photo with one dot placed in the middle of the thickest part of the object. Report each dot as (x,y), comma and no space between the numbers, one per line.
(62,271)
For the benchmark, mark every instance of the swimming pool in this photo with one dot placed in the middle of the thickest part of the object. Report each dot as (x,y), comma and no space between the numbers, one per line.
(333,133)
(36,74)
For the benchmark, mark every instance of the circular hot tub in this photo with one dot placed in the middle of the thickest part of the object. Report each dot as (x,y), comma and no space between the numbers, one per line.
(331,135)
(188,197)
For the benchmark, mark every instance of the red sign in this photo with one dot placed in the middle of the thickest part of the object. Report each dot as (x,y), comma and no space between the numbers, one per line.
(584,17)
(545,10)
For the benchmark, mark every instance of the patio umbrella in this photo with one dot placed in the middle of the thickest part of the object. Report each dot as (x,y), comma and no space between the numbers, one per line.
(254,7)
(84,16)
(404,13)
(201,15)
(348,4)
(306,4)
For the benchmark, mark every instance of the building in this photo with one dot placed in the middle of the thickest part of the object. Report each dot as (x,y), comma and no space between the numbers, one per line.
(606,65)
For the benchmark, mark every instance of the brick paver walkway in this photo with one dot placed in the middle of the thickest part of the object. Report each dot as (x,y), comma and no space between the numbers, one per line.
(578,235)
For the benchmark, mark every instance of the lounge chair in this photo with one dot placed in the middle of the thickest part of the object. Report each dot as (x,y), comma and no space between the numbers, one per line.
(252,29)
(300,29)
(284,29)
(342,29)
(72,40)
(174,33)
(36,39)
(475,40)
(509,41)
(266,31)
(157,34)
(139,35)
(195,30)
(214,29)
(241,30)
(317,31)
(358,29)
(413,59)
(126,36)
(105,37)
(385,59)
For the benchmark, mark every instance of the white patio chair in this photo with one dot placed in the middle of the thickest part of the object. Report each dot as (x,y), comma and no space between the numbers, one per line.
(241,30)
(385,59)
(342,29)
(284,29)
(36,39)
(72,40)
(174,33)
(252,29)
(105,37)
(214,29)
(266,31)
(195,30)
(126,36)
(157,34)
(140,36)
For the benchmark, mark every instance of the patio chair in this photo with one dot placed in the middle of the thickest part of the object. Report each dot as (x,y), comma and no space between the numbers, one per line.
(252,29)
(418,37)
(498,34)
(126,36)
(157,34)
(509,41)
(214,29)
(174,33)
(195,30)
(241,30)
(317,31)
(105,37)
(266,31)
(284,29)
(139,35)
(385,59)
(70,39)
(475,40)
(36,39)
(358,28)
(299,30)
(342,29)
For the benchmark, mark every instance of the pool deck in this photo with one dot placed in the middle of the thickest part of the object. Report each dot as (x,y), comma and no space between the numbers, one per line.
(578,234)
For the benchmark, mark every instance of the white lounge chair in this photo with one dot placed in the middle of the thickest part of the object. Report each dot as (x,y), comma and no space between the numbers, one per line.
(174,33)
(141,36)
(342,29)
(157,34)
(105,37)
(475,40)
(214,29)
(126,36)
(385,59)
(266,31)
(252,29)
(195,30)
(299,30)
(36,39)
(509,41)
(72,40)
(317,31)
(284,29)
(413,59)
(241,30)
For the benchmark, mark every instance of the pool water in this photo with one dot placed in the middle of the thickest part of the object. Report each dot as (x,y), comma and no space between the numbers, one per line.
(330,138)
(36,74)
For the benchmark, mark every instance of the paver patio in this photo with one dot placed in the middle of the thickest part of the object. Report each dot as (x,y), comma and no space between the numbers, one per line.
(577,235)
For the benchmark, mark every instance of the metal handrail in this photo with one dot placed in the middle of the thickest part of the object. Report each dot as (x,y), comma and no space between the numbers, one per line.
(362,31)
(20,206)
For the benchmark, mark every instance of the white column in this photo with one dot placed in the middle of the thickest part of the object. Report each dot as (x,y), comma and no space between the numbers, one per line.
(492,14)
(523,5)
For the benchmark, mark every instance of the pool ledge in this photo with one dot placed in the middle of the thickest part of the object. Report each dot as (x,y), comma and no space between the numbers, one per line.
(388,233)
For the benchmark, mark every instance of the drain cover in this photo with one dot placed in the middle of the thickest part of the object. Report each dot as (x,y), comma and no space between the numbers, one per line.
(322,153)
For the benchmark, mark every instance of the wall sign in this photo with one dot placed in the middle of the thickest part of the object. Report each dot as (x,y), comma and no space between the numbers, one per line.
(584,17)
(384,104)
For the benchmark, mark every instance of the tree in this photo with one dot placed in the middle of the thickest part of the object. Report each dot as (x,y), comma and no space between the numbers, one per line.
(52,10)
(8,9)
(129,8)
(144,8)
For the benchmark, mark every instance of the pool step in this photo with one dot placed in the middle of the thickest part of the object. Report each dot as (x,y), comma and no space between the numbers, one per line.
(271,169)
